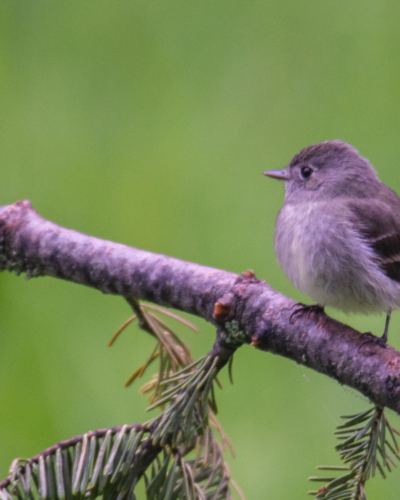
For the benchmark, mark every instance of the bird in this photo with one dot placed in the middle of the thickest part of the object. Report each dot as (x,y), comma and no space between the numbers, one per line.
(337,235)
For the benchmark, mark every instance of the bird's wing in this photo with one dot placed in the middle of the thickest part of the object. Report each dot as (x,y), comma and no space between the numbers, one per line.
(378,222)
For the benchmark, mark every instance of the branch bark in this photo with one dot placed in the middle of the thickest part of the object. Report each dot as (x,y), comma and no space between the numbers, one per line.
(241,304)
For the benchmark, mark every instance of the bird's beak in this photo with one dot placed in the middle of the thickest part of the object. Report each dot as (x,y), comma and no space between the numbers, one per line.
(282,175)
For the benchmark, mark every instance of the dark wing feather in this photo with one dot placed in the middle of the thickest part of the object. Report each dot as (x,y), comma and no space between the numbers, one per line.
(378,222)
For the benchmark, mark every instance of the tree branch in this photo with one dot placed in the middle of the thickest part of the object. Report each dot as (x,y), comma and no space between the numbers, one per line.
(248,309)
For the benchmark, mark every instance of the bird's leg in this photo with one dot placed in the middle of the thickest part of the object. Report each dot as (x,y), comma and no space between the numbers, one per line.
(385,333)
(381,341)
(300,308)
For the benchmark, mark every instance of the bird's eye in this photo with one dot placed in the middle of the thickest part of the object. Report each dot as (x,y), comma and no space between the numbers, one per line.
(306,172)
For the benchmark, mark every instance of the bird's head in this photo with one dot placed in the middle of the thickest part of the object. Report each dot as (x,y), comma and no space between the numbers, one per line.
(327,170)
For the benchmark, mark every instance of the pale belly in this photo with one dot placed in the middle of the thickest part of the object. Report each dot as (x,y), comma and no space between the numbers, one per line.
(322,258)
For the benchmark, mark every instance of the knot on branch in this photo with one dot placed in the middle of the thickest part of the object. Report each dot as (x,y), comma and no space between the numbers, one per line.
(228,310)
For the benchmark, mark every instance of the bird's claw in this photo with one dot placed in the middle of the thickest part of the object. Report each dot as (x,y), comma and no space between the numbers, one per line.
(372,339)
(304,308)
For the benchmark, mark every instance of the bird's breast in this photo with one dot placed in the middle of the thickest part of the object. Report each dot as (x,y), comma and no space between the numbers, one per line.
(291,243)
(304,245)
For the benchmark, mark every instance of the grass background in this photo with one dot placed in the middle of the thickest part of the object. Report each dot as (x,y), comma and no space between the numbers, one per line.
(150,123)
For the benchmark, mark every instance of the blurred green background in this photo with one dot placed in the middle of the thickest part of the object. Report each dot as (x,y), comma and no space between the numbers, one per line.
(150,123)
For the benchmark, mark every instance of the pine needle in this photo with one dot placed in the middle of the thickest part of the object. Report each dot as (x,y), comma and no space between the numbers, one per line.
(121,329)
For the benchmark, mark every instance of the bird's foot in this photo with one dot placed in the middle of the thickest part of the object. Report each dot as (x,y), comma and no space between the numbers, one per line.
(372,339)
(300,308)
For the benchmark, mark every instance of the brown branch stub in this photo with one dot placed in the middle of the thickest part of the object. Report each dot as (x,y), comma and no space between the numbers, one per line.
(31,244)
(223,309)
(249,274)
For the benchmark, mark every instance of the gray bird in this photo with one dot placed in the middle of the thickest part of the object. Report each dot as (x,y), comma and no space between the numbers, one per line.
(337,236)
